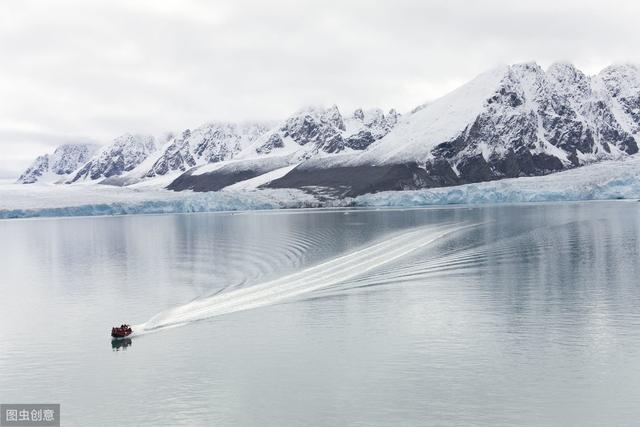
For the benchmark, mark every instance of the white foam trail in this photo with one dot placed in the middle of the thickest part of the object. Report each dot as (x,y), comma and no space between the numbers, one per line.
(308,280)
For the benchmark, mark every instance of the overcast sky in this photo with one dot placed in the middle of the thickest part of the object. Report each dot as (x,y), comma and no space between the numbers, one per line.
(90,70)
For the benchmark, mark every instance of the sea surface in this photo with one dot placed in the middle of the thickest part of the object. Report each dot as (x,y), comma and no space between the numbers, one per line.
(469,315)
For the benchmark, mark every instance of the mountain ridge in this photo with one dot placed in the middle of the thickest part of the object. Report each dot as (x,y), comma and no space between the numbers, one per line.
(65,159)
(511,121)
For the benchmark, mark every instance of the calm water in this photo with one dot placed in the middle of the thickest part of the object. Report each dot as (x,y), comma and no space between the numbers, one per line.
(513,315)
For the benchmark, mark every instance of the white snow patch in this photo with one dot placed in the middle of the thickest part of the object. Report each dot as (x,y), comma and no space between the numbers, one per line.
(254,183)
(209,167)
(157,182)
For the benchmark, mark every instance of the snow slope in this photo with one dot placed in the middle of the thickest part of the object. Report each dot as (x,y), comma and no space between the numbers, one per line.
(417,134)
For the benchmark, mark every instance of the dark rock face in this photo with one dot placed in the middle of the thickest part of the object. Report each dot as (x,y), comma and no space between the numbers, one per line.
(226,175)
(334,144)
(506,96)
(115,167)
(349,181)
(441,174)
(514,164)
(177,156)
(475,169)
(547,163)
(214,181)
(319,128)
(274,141)
(609,131)
(361,140)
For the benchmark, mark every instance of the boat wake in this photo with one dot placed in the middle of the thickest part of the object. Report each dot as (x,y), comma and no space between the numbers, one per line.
(335,271)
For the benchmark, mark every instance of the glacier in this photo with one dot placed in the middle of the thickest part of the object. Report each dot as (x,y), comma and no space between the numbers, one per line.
(65,201)
(608,180)
(601,181)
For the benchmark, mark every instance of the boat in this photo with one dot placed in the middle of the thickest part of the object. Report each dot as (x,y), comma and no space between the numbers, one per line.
(121,331)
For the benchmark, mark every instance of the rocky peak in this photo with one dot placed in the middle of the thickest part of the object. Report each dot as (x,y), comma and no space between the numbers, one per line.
(544,120)
(65,159)
(315,126)
(568,81)
(324,130)
(122,155)
(622,84)
(176,155)
(621,80)
(68,157)
(218,141)
(333,117)
(33,173)
(210,143)
(392,117)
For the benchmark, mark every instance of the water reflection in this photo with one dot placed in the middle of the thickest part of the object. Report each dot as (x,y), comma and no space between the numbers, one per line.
(121,344)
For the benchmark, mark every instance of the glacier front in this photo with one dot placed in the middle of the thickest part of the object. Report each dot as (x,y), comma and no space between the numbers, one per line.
(619,179)
(601,181)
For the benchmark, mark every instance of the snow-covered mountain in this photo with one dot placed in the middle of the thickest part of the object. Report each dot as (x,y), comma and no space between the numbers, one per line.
(317,130)
(540,120)
(211,143)
(36,171)
(131,159)
(123,154)
(312,132)
(513,121)
(622,84)
(55,167)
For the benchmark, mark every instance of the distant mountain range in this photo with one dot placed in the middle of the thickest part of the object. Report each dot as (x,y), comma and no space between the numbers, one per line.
(512,121)
(57,166)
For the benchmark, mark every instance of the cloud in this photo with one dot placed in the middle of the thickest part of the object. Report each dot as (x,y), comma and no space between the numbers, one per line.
(95,69)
